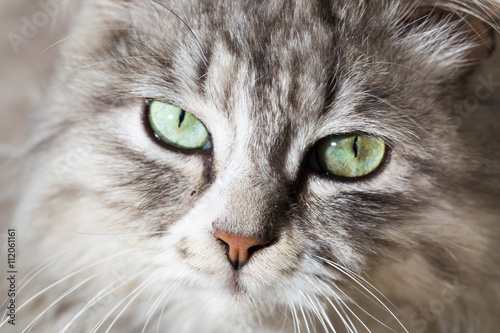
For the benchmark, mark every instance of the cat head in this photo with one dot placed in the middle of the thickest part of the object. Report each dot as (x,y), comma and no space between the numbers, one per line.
(255,217)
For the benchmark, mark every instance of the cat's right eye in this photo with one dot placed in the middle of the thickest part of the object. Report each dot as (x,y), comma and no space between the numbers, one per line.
(177,128)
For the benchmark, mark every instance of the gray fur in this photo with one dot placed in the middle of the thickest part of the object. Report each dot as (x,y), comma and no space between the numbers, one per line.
(268,79)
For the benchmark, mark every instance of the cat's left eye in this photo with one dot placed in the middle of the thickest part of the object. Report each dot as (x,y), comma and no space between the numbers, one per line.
(176,127)
(348,156)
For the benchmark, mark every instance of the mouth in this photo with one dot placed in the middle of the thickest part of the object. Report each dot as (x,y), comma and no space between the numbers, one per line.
(234,286)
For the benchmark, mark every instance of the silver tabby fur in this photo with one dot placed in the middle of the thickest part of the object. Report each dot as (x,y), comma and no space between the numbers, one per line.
(115,231)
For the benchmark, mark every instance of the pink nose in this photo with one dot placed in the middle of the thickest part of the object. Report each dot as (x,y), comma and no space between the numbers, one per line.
(240,249)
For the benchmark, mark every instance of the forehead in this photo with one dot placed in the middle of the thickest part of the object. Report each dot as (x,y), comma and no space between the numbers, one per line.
(286,61)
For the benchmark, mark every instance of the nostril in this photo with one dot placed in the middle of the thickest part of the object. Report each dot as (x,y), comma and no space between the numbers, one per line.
(254,249)
(226,245)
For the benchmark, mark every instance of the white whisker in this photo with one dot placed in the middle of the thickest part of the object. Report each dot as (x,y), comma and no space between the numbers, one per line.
(115,60)
(328,321)
(296,321)
(285,319)
(347,307)
(155,305)
(407,116)
(344,270)
(353,275)
(138,293)
(331,303)
(61,280)
(71,275)
(101,295)
(366,312)
(110,312)
(424,76)
(346,316)
(305,319)
(69,291)
(49,262)
(81,34)
(163,308)
(315,310)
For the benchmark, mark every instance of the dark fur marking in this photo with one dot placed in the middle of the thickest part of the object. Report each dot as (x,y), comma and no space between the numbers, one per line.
(182,249)
(203,70)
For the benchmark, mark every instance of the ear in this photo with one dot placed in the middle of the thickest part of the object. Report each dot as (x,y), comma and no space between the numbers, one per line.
(467,25)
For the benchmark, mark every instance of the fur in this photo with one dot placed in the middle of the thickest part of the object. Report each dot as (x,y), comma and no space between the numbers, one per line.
(117,232)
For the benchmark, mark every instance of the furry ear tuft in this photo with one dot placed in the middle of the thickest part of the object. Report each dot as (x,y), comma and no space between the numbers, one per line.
(473,22)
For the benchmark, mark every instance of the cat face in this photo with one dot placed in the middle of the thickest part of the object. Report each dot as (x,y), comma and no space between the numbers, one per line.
(251,222)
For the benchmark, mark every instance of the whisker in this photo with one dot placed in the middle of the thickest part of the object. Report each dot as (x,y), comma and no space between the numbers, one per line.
(362,292)
(305,319)
(115,60)
(47,263)
(81,34)
(101,295)
(21,286)
(205,60)
(138,293)
(71,275)
(163,308)
(296,321)
(325,316)
(110,312)
(353,275)
(153,307)
(344,270)
(333,83)
(407,116)
(331,303)
(293,317)
(128,234)
(347,307)
(424,76)
(63,279)
(366,312)
(69,291)
(346,315)
(315,310)
(203,56)
(285,318)
(65,253)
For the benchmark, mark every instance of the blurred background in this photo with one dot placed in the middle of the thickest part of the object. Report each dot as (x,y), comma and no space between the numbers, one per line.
(28,29)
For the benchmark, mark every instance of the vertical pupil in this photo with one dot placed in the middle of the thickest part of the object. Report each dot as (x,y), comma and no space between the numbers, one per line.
(355,147)
(181,117)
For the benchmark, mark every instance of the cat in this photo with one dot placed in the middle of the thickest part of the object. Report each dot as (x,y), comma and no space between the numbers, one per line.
(263,166)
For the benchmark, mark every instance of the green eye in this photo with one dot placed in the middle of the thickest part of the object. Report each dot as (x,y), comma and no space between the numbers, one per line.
(350,156)
(176,127)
